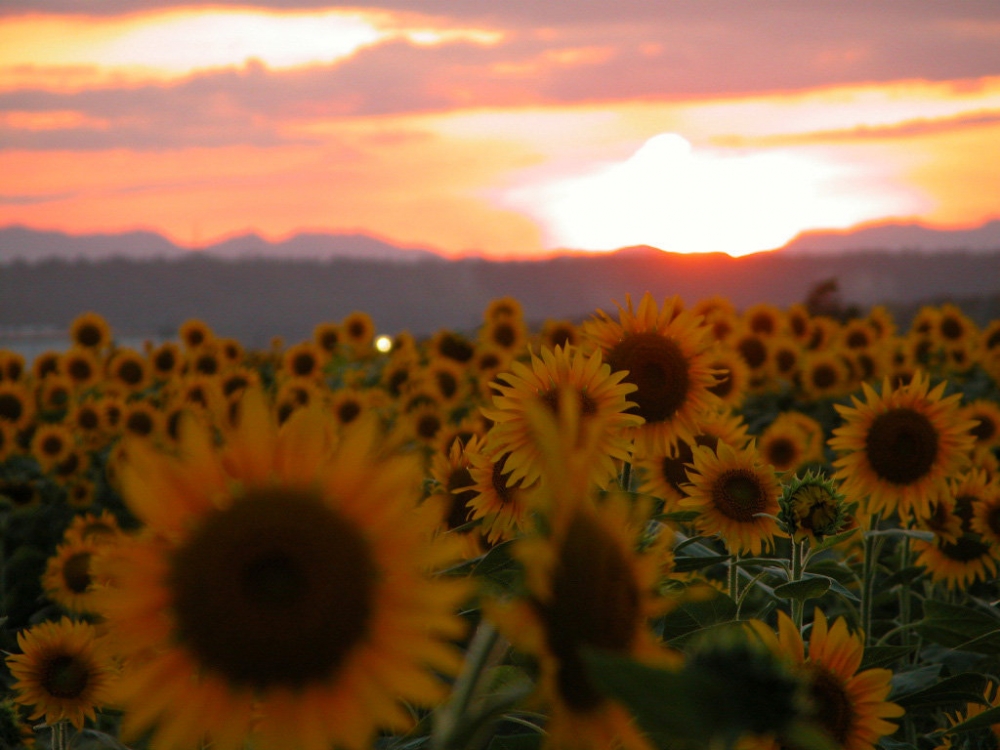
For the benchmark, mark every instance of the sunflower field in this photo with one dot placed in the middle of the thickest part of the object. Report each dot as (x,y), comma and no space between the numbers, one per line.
(670,526)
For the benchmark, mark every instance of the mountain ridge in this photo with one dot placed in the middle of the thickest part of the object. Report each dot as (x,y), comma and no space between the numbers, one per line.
(21,243)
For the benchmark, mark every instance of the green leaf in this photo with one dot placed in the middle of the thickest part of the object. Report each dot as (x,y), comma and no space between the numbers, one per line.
(883,656)
(809,587)
(834,540)
(924,536)
(688,564)
(693,615)
(985,720)
(960,627)
(956,690)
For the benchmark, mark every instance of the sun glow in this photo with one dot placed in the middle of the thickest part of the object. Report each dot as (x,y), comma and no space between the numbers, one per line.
(673,196)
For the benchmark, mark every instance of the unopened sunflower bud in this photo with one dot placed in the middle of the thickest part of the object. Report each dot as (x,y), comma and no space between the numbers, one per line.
(811,508)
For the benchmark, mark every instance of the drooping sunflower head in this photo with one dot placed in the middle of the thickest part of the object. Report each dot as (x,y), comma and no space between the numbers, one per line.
(666,352)
(898,448)
(812,507)
(736,496)
(986,415)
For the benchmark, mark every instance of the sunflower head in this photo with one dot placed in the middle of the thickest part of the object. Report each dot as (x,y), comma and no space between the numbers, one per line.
(812,507)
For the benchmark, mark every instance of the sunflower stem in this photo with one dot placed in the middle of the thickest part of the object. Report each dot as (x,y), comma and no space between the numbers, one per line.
(734,577)
(59,736)
(798,605)
(905,598)
(872,545)
(451,719)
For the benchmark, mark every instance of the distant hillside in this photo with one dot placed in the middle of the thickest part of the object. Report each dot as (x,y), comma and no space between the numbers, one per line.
(895,236)
(259,298)
(23,244)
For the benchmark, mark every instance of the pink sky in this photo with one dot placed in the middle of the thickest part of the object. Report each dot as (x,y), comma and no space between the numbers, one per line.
(507,129)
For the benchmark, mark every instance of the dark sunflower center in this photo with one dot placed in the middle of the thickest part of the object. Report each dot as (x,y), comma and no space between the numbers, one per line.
(348,411)
(455,347)
(504,335)
(303,364)
(832,705)
(130,372)
(966,548)
(88,335)
(275,590)
(356,329)
(79,370)
(738,495)
(139,423)
(984,429)
(595,602)
(504,492)
(857,340)
(951,329)
(195,337)
(164,361)
(446,383)
(659,370)
(753,351)
(458,512)
(87,419)
(52,445)
(11,407)
(993,519)
(76,572)
(428,425)
(65,677)
(785,360)
(329,340)
(561,336)
(207,364)
(824,376)
(781,453)
(901,446)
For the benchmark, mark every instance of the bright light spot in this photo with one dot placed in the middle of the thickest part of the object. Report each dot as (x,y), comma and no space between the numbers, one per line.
(674,197)
(383,344)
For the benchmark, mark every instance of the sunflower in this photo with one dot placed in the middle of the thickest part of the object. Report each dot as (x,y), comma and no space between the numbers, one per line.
(283,591)
(786,358)
(799,323)
(508,333)
(303,361)
(587,588)
(68,580)
(207,359)
(142,419)
(80,493)
(558,332)
(446,379)
(953,326)
(736,496)
(899,447)
(423,423)
(347,405)
(15,730)
(63,671)
(90,330)
(81,366)
(51,444)
(166,360)
(327,337)
(961,561)
(128,369)
(453,488)
(398,373)
(603,395)
(195,333)
(451,345)
(499,504)
(86,420)
(11,365)
(55,392)
(824,374)
(755,349)
(102,529)
(732,376)
(764,318)
(503,308)
(824,330)
(849,705)
(858,333)
(665,476)
(666,353)
(45,364)
(231,350)
(17,407)
(235,381)
(784,445)
(882,322)
(358,330)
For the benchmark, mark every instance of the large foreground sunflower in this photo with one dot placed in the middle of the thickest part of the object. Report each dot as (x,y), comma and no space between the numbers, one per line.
(850,706)
(899,447)
(282,591)
(667,354)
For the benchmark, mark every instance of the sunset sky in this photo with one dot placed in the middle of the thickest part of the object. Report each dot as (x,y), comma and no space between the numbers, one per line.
(504,128)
